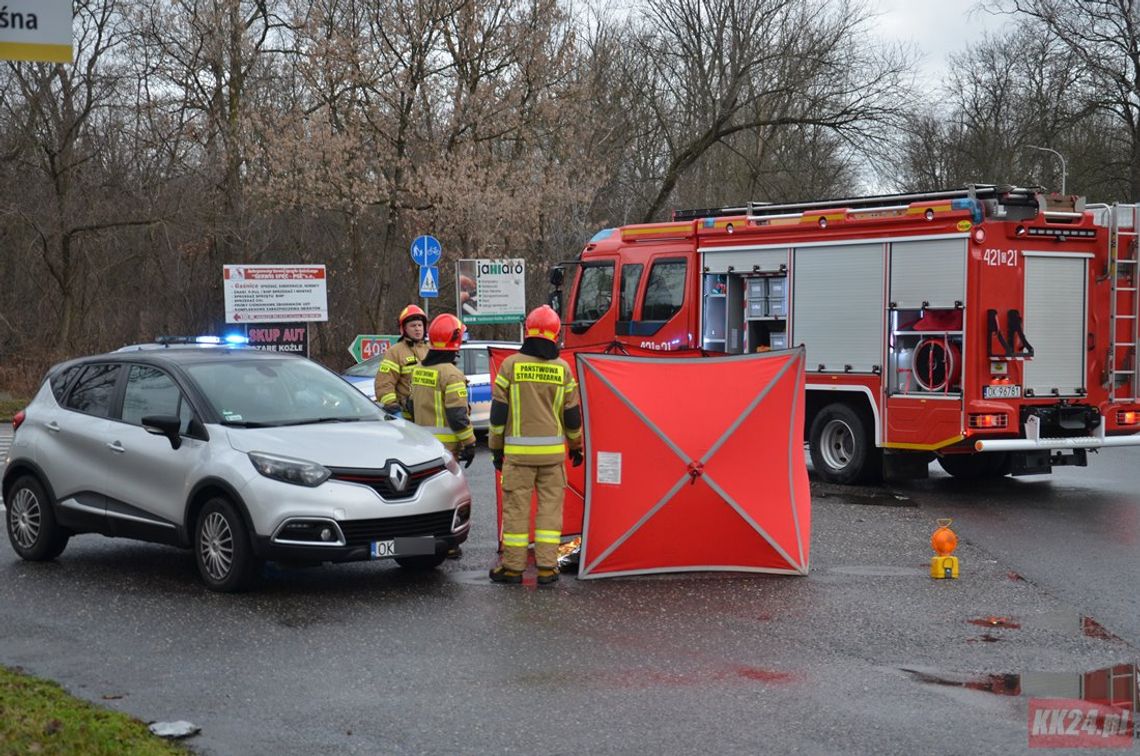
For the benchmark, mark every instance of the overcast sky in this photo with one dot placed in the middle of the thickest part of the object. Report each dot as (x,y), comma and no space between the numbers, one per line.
(935,27)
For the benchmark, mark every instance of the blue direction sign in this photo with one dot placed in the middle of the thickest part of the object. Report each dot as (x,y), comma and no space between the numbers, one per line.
(429,281)
(426,251)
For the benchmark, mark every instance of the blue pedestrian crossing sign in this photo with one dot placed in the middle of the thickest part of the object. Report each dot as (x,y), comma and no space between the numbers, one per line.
(429,281)
(426,251)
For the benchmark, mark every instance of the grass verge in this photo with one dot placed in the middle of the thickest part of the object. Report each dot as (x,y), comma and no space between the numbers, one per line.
(9,407)
(37,716)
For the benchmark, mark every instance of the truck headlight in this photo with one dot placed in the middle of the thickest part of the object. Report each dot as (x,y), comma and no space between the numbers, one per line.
(289,470)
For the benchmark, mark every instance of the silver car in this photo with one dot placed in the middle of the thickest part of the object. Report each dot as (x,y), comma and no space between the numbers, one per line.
(241,455)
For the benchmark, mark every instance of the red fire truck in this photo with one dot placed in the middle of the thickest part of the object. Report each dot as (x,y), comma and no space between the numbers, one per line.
(992,327)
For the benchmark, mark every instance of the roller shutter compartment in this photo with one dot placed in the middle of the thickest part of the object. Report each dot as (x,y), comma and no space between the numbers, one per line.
(1055,310)
(837,306)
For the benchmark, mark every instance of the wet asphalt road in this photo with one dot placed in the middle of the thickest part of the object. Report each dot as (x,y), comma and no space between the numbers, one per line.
(866,655)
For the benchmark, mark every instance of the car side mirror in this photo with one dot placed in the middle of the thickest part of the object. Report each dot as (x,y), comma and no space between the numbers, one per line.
(164,425)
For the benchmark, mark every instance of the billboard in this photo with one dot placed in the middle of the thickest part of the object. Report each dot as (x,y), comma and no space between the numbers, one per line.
(275,293)
(490,291)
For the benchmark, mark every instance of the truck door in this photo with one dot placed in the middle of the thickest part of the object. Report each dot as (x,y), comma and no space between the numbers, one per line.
(592,309)
(1056,307)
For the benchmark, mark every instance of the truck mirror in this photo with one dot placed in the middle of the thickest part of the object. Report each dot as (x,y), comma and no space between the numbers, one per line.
(556,301)
(557,276)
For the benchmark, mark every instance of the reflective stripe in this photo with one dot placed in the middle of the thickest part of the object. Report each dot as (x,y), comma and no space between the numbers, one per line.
(516,418)
(502,382)
(444,434)
(388,398)
(559,397)
(465,434)
(515,449)
(574,433)
(534,440)
(547,536)
(408,368)
(573,384)
(387,366)
(497,429)
(516,540)
(440,416)
(456,388)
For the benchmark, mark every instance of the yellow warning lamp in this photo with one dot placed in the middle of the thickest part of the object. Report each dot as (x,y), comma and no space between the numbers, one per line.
(944,541)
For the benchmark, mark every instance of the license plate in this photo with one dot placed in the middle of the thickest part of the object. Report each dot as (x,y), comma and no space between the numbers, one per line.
(402,547)
(1003,391)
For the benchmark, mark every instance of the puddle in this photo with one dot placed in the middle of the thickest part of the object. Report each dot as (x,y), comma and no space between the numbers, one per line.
(1118,686)
(878,570)
(866,494)
(1063,622)
(1006,622)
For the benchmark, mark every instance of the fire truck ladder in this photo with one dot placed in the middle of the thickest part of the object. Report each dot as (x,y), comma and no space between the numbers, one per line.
(1124,306)
(1000,194)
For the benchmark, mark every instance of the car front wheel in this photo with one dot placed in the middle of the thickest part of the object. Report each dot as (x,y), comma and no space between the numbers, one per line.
(32,528)
(222,548)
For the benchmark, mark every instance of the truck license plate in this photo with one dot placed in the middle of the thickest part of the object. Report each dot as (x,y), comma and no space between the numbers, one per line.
(402,547)
(1001,391)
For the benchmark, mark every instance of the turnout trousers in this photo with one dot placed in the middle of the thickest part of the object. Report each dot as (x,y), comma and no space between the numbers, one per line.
(519,481)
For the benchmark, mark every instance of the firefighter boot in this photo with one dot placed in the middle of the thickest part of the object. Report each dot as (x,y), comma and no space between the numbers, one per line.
(501,574)
(547,575)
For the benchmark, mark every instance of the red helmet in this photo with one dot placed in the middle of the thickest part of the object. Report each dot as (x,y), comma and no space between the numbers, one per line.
(409,312)
(446,333)
(543,322)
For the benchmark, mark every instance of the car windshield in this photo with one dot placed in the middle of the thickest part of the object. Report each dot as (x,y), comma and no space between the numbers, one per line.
(267,392)
(366,369)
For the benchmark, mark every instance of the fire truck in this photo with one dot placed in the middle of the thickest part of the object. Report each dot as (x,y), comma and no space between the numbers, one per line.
(993,327)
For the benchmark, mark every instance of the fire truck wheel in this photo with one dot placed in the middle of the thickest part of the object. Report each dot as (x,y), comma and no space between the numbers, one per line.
(976,466)
(842,447)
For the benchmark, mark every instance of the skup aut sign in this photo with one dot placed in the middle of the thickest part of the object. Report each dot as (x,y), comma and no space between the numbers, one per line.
(274,293)
(35,30)
(491,291)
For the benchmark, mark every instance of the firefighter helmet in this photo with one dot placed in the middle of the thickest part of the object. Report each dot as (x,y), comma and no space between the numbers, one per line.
(409,312)
(544,323)
(446,333)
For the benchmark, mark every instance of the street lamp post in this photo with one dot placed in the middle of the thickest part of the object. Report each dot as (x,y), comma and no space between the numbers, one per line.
(1059,157)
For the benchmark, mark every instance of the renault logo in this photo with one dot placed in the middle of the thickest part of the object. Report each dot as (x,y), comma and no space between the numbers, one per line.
(398,476)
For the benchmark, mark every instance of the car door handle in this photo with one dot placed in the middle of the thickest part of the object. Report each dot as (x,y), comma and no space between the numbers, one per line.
(53,426)
(116,446)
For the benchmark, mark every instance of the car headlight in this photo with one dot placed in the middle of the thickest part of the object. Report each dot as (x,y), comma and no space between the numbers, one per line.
(290,470)
(450,463)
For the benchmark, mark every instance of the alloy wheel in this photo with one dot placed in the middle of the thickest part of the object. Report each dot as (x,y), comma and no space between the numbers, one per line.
(25,516)
(216,545)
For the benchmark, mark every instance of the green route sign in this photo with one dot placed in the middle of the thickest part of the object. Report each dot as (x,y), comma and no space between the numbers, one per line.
(367,345)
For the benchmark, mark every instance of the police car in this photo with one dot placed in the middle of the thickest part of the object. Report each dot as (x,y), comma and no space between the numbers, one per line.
(474,361)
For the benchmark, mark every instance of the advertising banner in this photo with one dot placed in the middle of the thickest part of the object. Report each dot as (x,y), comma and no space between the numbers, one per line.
(490,291)
(280,337)
(275,293)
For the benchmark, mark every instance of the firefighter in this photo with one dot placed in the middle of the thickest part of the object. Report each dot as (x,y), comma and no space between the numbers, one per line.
(534,417)
(439,390)
(394,378)
(439,394)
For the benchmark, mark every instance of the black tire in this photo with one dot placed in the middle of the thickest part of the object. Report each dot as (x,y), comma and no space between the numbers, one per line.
(843,447)
(421,563)
(989,466)
(222,548)
(32,529)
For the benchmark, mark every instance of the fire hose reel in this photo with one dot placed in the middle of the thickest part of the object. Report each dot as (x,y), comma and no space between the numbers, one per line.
(936,364)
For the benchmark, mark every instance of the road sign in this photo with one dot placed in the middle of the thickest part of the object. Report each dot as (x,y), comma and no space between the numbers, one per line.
(367,345)
(36,30)
(429,281)
(426,250)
